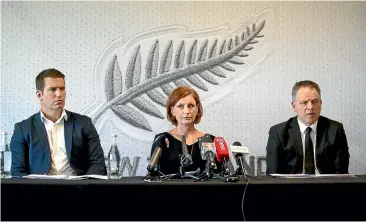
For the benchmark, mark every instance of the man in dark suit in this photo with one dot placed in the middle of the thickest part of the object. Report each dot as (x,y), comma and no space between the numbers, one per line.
(55,141)
(308,143)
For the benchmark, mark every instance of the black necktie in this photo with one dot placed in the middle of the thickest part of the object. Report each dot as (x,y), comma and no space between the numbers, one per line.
(309,153)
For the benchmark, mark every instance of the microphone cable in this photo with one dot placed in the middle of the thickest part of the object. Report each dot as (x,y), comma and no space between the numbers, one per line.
(242,201)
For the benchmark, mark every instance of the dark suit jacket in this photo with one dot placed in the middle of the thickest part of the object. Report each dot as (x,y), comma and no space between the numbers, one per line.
(285,151)
(31,151)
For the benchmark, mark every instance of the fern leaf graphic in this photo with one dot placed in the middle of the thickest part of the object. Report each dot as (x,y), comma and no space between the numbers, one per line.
(223,47)
(243,36)
(179,62)
(152,61)
(167,89)
(213,49)
(165,63)
(230,44)
(203,51)
(133,72)
(248,48)
(236,61)
(179,55)
(134,118)
(191,57)
(227,67)
(113,80)
(157,97)
(217,72)
(206,76)
(151,70)
(197,82)
(199,69)
(237,41)
(166,58)
(147,107)
(242,54)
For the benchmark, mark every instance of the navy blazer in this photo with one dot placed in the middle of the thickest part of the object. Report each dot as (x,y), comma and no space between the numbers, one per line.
(285,151)
(31,151)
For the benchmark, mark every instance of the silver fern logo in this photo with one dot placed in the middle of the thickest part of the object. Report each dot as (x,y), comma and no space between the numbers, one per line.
(134,78)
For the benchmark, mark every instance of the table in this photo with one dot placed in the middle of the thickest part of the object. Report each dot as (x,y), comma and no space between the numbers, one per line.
(131,198)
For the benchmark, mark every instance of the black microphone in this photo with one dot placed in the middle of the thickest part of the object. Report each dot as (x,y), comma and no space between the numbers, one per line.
(160,142)
(186,159)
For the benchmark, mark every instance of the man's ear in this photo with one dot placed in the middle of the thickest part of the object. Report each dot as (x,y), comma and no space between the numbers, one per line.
(293,105)
(39,94)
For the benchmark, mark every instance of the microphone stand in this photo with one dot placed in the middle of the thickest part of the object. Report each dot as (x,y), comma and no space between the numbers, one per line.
(207,173)
(226,177)
(242,171)
(182,174)
(185,161)
(155,175)
(228,174)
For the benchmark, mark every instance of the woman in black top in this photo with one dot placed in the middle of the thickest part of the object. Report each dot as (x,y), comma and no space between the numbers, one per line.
(184,110)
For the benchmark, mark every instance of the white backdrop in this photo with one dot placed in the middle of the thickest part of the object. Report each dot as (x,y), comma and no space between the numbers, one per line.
(320,41)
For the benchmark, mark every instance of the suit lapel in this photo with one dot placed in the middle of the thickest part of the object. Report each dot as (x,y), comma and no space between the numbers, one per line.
(295,135)
(321,131)
(42,134)
(68,130)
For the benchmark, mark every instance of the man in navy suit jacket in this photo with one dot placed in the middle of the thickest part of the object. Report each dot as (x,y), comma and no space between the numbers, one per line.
(286,149)
(55,141)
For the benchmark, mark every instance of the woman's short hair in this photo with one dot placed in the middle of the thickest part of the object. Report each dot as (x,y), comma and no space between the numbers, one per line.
(178,94)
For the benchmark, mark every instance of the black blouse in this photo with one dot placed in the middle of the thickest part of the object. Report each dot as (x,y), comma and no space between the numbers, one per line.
(170,159)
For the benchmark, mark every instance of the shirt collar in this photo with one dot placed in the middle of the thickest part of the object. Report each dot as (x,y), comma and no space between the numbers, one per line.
(303,127)
(63,115)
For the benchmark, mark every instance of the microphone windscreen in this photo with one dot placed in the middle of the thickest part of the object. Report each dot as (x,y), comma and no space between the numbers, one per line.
(222,150)
(206,144)
(236,143)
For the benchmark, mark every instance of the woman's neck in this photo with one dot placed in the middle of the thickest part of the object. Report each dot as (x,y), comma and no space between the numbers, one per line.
(185,129)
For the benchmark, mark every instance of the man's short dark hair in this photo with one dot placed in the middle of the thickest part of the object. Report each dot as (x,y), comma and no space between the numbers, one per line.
(53,73)
(304,83)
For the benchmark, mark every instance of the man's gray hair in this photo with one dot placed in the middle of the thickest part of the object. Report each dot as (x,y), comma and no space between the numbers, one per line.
(304,83)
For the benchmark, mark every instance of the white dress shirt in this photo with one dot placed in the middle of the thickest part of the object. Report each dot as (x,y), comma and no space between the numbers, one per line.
(303,128)
(61,161)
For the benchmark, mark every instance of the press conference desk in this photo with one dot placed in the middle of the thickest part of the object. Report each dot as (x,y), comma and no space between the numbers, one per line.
(131,198)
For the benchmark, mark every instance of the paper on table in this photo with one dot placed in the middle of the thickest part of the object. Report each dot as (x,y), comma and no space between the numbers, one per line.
(310,175)
(42,176)
(92,176)
(65,177)
(290,175)
(334,175)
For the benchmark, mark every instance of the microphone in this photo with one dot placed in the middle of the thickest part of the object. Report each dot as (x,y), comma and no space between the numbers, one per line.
(222,151)
(238,150)
(222,155)
(186,159)
(208,152)
(206,145)
(159,142)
